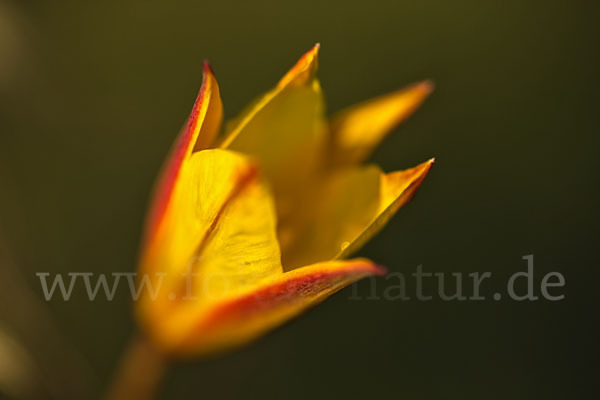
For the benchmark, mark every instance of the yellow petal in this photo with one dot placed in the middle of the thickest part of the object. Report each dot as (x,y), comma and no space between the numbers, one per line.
(301,74)
(358,130)
(286,131)
(396,189)
(334,211)
(199,133)
(241,318)
(348,208)
(218,237)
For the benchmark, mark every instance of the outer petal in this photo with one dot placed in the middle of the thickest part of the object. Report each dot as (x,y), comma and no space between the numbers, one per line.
(350,206)
(358,130)
(199,133)
(286,131)
(239,319)
(217,237)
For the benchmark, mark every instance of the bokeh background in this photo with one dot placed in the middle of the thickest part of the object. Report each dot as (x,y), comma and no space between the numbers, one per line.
(92,93)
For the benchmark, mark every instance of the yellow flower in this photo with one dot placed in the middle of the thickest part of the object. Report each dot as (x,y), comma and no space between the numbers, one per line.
(251,228)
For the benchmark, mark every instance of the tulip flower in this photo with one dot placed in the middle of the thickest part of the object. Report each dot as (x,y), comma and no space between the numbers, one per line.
(253,223)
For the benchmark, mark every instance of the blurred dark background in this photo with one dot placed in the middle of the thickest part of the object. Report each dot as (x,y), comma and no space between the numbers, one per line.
(92,93)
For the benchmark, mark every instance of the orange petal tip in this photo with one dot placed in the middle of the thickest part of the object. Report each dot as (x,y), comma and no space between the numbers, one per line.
(303,70)
(379,270)
(207,68)
(427,86)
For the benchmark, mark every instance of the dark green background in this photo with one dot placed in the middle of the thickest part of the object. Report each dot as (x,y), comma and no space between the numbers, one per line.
(93,93)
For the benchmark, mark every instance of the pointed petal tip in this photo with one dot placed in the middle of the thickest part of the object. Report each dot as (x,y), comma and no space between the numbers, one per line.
(427,167)
(427,86)
(379,270)
(429,163)
(419,174)
(359,129)
(422,171)
(304,70)
(207,68)
(414,175)
(416,93)
(366,266)
(208,80)
(310,58)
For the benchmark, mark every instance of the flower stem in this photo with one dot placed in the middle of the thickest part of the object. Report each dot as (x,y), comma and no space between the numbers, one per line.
(139,372)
